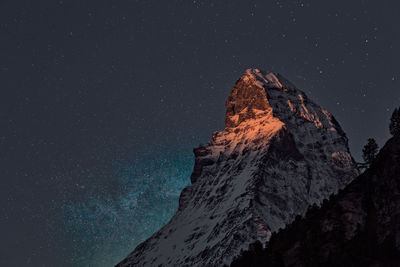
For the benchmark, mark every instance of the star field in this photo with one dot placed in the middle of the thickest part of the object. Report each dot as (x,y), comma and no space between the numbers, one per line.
(102,103)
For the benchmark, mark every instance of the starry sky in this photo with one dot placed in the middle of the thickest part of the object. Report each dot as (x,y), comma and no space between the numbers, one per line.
(102,103)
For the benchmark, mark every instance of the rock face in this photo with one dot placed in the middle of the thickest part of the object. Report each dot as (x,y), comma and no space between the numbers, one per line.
(278,154)
(358,227)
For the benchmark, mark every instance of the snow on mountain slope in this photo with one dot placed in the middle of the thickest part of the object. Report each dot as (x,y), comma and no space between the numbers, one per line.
(278,154)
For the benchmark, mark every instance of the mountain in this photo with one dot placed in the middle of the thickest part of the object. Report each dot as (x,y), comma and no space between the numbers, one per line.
(358,227)
(278,154)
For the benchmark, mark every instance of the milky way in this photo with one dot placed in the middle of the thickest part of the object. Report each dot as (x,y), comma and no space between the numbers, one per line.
(105,229)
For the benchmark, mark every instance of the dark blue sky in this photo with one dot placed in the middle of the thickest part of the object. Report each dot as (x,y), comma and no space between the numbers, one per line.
(102,103)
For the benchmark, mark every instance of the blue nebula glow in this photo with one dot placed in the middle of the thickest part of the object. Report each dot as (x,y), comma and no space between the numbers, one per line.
(106,228)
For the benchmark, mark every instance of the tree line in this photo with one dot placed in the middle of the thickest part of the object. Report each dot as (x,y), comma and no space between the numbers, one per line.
(370,150)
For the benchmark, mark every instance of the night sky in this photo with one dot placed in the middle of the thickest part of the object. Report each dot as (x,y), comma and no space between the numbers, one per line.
(102,103)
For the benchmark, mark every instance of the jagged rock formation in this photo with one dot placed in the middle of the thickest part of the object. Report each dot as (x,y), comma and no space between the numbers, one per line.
(278,154)
(358,227)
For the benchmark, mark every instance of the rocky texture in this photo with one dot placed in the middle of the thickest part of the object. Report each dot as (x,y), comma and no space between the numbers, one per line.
(278,154)
(358,227)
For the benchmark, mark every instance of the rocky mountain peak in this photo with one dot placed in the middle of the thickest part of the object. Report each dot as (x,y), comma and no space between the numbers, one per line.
(278,154)
(257,93)
(271,80)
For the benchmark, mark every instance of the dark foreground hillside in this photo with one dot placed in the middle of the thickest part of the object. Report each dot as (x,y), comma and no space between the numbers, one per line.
(358,227)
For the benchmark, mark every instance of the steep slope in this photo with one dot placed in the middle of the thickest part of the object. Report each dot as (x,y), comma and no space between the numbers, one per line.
(278,154)
(358,227)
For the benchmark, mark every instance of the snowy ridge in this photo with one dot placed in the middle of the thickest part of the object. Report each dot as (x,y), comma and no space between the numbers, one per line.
(278,154)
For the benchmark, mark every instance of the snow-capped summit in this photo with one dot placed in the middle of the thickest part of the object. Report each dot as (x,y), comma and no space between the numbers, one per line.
(278,154)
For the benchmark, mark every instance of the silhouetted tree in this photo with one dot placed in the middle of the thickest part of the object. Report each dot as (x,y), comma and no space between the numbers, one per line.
(369,151)
(394,126)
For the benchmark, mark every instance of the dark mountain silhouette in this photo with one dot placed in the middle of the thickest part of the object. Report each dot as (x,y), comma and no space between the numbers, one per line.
(360,226)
